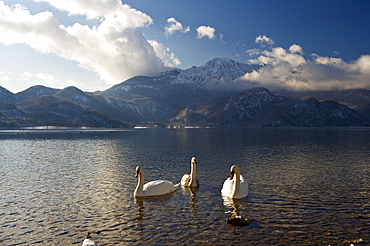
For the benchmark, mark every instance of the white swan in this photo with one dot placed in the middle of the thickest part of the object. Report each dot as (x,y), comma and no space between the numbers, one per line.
(235,186)
(190,180)
(153,188)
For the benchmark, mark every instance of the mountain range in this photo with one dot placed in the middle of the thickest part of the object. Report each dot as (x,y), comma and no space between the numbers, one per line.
(208,96)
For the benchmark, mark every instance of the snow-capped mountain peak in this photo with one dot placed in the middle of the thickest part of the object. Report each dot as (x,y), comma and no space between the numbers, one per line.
(214,71)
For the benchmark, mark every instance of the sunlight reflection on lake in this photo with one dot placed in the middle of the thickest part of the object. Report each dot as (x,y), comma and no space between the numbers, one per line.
(308,186)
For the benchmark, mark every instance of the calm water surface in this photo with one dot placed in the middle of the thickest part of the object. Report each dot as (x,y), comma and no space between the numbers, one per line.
(307,186)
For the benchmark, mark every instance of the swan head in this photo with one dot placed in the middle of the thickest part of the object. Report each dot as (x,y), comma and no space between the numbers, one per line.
(194,160)
(138,171)
(234,170)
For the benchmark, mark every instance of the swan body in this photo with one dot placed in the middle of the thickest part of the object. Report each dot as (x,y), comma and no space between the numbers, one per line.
(153,188)
(235,186)
(190,180)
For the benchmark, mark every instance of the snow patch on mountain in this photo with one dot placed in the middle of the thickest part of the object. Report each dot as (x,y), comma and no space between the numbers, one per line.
(215,71)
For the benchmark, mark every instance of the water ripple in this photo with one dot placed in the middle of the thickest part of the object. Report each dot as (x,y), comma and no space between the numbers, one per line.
(307,187)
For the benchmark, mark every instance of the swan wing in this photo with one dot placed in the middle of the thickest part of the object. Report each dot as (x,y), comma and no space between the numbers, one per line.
(185,180)
(243,186)
(227,187)
(158,187)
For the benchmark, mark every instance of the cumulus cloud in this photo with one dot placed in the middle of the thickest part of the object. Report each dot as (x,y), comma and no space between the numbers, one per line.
(206,31)
(295,48)
(111,11)
(279,55)
(114,48)
(164,53)
(173,25)
(262,39)
(287,68)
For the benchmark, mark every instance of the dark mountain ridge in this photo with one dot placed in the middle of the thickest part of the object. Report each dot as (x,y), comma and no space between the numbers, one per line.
(258,107)
(193,96)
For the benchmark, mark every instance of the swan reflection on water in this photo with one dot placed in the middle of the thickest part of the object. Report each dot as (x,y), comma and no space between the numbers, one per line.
(140,215)
(155,200)
(193,198)
(191,190)
(235,219)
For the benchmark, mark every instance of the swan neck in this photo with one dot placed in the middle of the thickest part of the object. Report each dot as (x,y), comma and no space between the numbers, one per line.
(140,184)
(237,183)
(193,178)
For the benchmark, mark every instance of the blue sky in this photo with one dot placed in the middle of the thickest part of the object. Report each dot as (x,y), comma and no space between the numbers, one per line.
(95,44)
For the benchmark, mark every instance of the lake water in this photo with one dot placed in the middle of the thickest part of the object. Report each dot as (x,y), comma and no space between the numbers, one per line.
(308,186)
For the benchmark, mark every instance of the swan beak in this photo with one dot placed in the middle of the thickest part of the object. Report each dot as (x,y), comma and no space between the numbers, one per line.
(232,175)
(137,174)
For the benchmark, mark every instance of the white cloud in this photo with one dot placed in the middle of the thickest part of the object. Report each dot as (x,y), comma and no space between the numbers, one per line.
(114,48)
(168,57)
(262,39)
(173,25)
(276,56)
(222,38)
(295,48)
(45,79)
(289,69)
(112,11)
(253,52)
(13,81)
(206,31)
(363,65)
(4,77)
